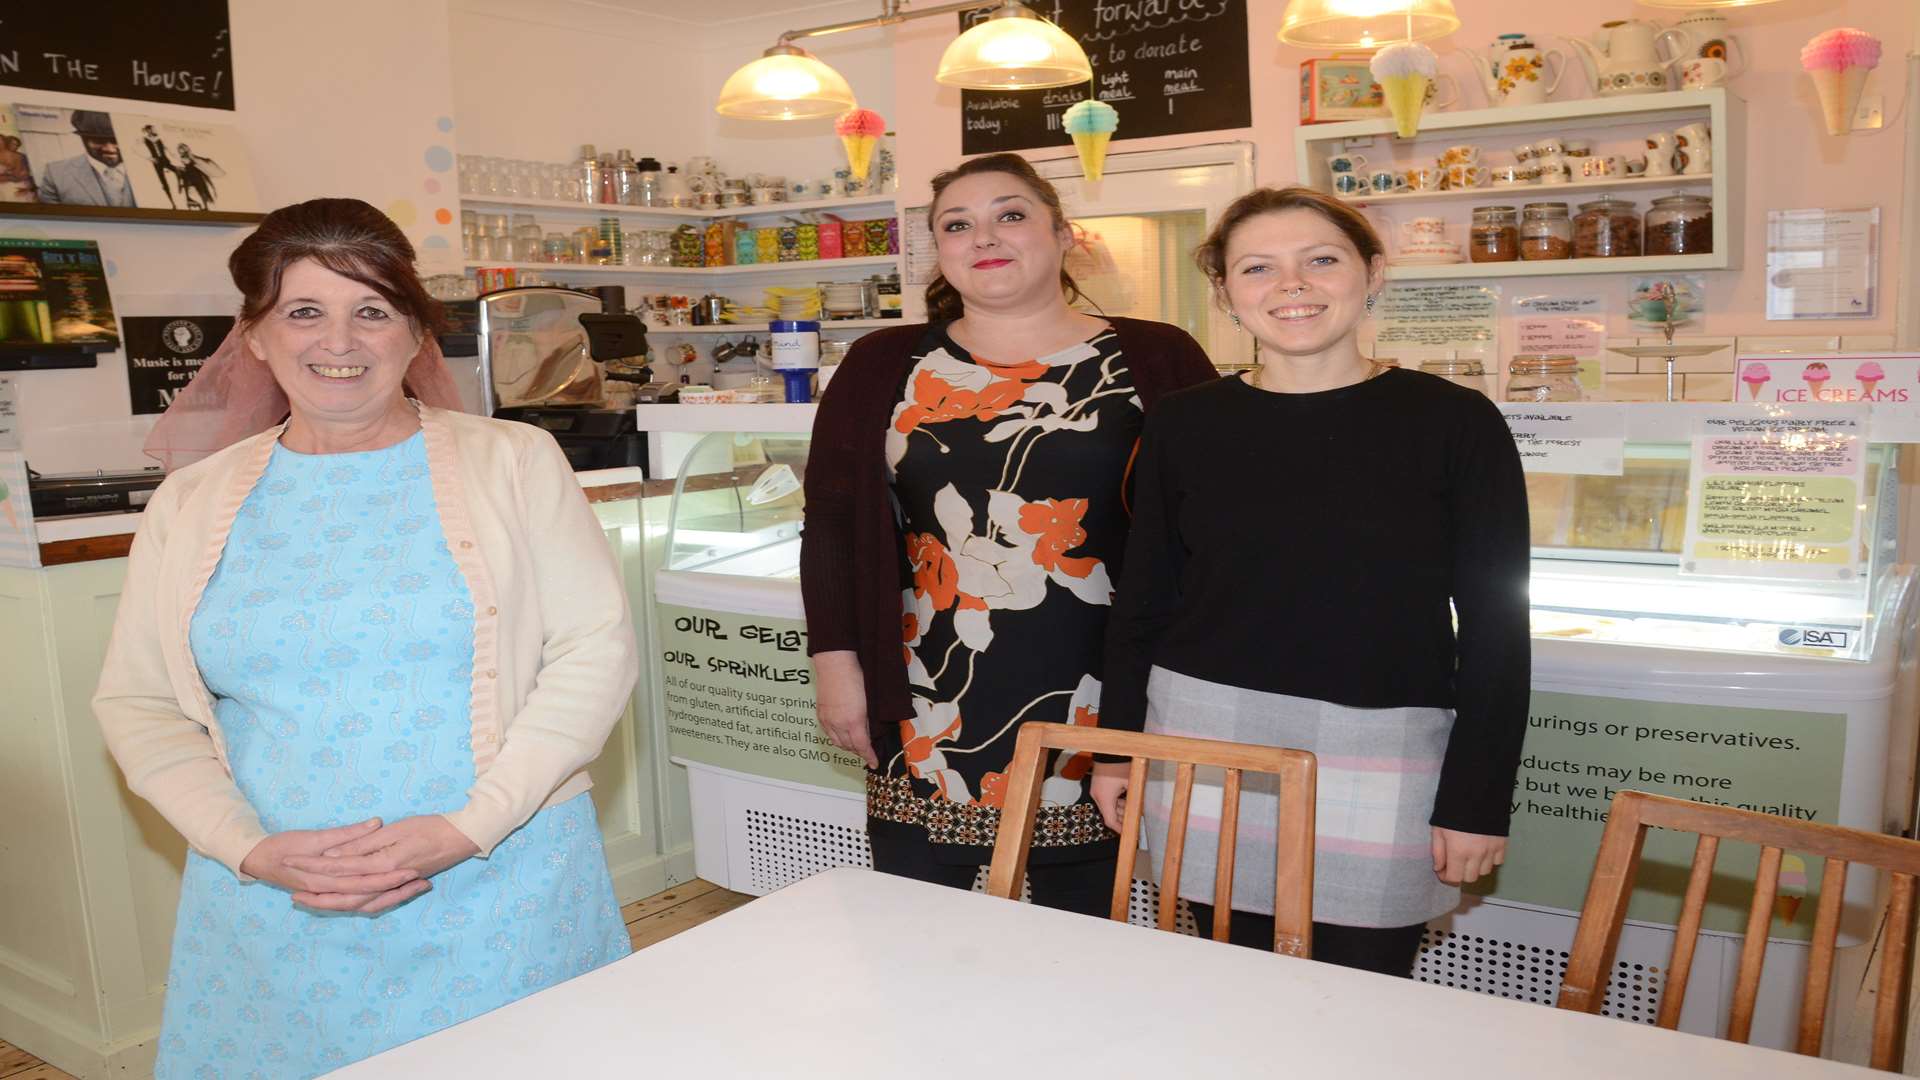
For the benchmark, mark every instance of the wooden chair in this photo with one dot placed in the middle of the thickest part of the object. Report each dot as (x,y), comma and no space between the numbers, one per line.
(1615,867)
(1293,876)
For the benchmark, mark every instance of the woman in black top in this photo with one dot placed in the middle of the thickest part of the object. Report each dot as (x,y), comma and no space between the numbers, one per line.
(1303,540)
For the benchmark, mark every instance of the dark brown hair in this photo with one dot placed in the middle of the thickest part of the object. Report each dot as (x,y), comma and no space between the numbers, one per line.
(1212,252)
(943,301)
(348,237)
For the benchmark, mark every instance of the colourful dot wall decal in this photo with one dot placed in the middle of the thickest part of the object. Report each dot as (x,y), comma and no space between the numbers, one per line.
(432,186)
(112,268)
(445,123)
(443,215)
(403,212)
(439,158)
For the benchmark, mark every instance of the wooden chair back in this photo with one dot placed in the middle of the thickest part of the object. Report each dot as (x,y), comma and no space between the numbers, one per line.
(1293,834)
(1618,861)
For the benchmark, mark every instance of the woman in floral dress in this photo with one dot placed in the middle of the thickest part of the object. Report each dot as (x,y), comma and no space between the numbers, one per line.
(983,457)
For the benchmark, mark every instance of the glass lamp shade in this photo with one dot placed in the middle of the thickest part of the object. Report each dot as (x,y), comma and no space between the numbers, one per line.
(785,84)
(1013,49)
(1699,5)
(1363,24)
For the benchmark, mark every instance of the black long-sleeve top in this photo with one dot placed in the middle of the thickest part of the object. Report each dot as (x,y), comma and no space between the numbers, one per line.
(1320,545)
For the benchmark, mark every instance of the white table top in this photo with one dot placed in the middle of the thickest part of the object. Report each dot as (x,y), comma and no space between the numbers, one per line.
(858,974)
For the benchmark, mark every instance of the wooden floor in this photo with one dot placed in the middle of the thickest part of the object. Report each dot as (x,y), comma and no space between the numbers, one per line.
(649,922)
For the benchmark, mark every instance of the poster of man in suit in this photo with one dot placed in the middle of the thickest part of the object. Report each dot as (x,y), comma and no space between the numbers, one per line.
(76,155)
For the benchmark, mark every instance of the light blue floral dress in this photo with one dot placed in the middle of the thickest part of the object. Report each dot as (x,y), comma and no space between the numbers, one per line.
(337,638)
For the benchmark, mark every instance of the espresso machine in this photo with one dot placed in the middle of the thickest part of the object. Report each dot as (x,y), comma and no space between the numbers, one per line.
(545,356)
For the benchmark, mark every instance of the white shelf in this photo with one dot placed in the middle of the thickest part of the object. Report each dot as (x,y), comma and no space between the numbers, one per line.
(1574,191)
(773,268)
(1620,121)
(773,419)
(1639,264)
(1550,118)
(672,213)
(761,328)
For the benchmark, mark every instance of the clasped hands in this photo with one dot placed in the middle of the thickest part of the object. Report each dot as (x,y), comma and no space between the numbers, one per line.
(368,867)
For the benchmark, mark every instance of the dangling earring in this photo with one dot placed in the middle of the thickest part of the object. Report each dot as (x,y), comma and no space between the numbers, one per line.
(1236,321)
(1370,299)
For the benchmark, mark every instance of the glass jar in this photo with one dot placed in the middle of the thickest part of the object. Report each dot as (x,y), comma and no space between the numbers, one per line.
(1544,378)
(1680,225)
(1606,228)
(1465,372)
(1546,232)
(1495,235)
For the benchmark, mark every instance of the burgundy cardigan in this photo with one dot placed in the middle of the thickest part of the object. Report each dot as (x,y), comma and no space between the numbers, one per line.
(851,550)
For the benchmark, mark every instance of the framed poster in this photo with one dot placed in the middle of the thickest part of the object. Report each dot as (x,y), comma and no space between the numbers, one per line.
(54,307)
(1823,264)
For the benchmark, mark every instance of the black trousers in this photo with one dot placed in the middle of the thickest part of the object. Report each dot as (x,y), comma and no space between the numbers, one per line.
(1083,887)
(1388,950)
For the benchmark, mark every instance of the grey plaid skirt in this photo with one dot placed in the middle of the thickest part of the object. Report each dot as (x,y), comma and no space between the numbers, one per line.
(1378,770)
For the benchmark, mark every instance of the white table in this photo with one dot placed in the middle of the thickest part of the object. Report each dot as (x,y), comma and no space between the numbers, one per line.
(858,974)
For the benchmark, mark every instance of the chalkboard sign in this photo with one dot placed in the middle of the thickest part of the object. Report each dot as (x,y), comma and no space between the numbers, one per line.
(1169,66)
(179,51)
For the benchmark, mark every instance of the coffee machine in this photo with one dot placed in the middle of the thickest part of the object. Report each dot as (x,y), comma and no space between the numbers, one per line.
(545,355)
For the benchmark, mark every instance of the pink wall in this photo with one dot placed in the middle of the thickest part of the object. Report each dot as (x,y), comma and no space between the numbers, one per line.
(1789,161)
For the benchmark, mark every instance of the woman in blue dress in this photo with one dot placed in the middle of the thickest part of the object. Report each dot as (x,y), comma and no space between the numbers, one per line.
(363,659)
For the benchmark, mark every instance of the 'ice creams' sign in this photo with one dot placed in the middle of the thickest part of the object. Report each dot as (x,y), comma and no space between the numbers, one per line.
(1890,382)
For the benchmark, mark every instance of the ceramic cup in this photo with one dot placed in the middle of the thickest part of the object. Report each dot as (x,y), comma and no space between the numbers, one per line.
(1602,166)
(1348,183)
(1463,154)
(1346,163)
(1425,228)
(1694,134)
(1512,175)
(1523,153)
(1461,176)
(1553,169)
(1702,72)
(1637,166)
(1386,181)
(1553,146)
(1577,148)
(1427,178)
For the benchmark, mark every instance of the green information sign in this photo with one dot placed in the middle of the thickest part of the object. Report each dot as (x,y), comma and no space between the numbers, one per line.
(1581,750)
(739,695)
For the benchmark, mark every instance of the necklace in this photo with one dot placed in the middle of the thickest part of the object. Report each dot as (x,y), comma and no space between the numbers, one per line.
(1374,368)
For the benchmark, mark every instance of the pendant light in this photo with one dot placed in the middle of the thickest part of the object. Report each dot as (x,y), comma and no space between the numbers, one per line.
(1702,5)
(1365,24)
(786,83)
(1013,49)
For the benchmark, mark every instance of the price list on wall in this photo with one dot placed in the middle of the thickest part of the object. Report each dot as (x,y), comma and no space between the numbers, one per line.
(1169,67)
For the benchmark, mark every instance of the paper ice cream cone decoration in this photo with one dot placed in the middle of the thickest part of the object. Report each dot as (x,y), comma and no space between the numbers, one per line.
(1839,61)
(1091,123)
(1756,377)
(1816,375)
(1792,886)
(1869,374)
(859,131)
(1404,71)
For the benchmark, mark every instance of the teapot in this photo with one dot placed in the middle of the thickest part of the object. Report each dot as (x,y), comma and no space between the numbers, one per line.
(1513,72)
(1704,35)
(1623,58)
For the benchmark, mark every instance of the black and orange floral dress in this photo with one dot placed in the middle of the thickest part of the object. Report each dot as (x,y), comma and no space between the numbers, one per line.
(1008,480)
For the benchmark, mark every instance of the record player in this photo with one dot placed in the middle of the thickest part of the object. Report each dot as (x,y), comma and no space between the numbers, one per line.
(71,494)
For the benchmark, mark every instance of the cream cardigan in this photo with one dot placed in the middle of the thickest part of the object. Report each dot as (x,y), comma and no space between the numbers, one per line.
(554,657)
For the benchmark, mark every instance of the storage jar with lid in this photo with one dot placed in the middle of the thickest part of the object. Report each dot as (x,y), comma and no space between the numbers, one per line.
(1606,228)
(1546,232)
(1544,378)
(1680,225)
(1465,372)
(1495,235)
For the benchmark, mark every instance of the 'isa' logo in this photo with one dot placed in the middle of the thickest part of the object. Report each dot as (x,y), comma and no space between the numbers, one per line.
(1813,638)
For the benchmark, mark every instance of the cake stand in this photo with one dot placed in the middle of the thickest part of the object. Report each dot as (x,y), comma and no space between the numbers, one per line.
(1669,352)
